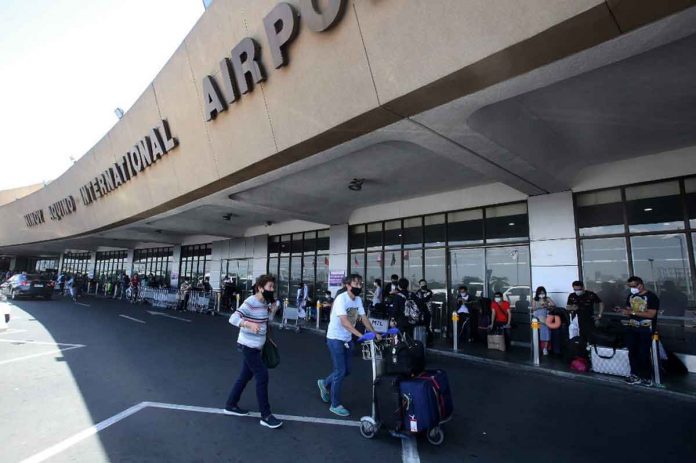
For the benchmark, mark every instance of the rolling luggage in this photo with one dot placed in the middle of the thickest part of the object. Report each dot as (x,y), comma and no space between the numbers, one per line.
(405,358)
(575,347)
(420,405)
(420,333)
(610,361)
(388,401)
(438,379)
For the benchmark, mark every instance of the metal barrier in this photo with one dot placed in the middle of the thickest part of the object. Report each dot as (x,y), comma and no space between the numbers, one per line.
(202,302)
(535,340)
(438,319)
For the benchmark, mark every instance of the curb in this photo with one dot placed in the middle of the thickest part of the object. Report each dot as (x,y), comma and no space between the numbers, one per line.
(611,382)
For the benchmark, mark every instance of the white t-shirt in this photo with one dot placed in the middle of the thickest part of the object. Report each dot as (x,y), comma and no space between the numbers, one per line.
(344,305)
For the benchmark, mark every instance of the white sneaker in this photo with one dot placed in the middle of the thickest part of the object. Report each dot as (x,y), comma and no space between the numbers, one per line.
(546,351)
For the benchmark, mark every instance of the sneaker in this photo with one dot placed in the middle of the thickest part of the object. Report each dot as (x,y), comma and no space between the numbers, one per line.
(633,379)
(546,351)
(323,392)
(646,382)
(271,422)
(235,411)
(340,411)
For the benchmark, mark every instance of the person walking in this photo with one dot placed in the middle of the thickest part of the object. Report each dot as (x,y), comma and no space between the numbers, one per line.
(252,320)
(641,309)
(347,309)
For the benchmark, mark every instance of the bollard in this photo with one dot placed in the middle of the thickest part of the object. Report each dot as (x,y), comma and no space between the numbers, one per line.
(318,313)
(535,340)
(455,331)
(237,306)
(217,302)
(656,358)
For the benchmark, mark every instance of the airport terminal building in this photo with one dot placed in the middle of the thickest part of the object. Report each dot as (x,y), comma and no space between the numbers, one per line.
(503,145)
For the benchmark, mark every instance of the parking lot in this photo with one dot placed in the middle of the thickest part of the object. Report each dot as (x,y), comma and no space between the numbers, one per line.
(107,381)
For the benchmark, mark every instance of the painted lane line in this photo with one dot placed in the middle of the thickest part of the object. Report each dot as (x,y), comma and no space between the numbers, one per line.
(219,411)
(85,305)
(131,318)
(160,314)
(26,357)
(80,436)
(409,450)
(12,331)
(31,341)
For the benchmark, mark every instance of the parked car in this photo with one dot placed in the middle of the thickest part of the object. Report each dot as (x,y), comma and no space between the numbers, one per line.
(28,286)
(513,294)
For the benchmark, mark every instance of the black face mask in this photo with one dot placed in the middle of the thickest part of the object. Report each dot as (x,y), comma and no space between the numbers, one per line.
(268,296)
(424,286)
(356,291)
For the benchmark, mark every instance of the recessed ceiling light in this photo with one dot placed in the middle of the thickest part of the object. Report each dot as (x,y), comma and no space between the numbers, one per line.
(647,209)
(511,224)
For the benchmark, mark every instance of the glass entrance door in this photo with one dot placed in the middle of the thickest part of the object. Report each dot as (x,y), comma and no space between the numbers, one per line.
(241,274)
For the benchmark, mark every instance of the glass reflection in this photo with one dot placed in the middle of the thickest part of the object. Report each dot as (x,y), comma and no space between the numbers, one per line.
(654,207)
(605,269)
(600,212)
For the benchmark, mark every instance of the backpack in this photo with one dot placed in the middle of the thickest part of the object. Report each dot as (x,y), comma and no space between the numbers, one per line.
(412,311)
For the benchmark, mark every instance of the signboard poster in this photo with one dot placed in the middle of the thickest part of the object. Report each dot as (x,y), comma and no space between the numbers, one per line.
(380,325)
(336,278)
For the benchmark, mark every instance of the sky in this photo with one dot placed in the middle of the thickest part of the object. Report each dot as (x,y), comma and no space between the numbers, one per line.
(66,65)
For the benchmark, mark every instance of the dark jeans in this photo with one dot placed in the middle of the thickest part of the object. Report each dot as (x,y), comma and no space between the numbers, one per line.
(341,359)
(639,342)
(464,328)
(498,326)
(558,338)
(252,366)
(586,323)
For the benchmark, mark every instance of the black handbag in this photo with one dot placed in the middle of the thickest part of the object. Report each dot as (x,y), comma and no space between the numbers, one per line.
(270,354)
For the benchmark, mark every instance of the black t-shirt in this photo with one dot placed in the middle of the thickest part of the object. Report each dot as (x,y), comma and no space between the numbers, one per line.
(585,303)
(643,302)
(424,295)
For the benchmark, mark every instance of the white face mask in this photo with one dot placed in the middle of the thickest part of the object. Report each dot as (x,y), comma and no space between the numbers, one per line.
(579,292)
(498,299)
(635,290)
(542,295)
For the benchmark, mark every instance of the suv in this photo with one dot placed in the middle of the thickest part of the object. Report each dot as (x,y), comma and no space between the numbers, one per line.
(28,286)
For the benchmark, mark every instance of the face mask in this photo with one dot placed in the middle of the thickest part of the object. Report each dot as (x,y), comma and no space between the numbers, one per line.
(356,291)
(423,285)
(498,299)
(635,290)
(462,294)
(542,295)
(579,293)
(268,296)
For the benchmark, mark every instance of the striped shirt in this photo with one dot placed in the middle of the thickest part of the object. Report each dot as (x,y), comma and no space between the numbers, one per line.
(251,311)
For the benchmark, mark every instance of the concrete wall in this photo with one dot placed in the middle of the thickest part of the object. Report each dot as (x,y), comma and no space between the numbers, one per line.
(7,196)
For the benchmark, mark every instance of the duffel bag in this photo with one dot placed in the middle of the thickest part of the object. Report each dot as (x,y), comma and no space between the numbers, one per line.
(405,358)
(420,405)
(440,382)
(575,347)
(610,361)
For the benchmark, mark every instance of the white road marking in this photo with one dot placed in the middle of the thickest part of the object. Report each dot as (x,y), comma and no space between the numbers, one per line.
(12,331)
(160,314)
(31,341)
(80,436)
(131,318)
(26,357)
(409,450)
(80,303)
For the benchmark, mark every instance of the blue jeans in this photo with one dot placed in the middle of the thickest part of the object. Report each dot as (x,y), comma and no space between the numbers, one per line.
(341,358)
(252,366)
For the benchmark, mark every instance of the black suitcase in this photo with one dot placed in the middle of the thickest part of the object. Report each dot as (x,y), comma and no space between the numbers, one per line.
(388,401)
(405,358)
(575,347)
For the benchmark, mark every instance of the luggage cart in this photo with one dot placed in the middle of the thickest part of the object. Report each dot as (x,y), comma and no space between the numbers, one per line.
(291,314)
(372,351)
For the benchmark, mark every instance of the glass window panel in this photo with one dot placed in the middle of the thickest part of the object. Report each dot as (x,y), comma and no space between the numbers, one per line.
(374,271)
(273,245)
(413,233)
(467,268)
(654,207)
(436,273)
(662,262)
(465,227)
(323,242)
(308,273)
(690,187)
(374,236)
(413,267)
(600,212)
(284,278)
(273,266)
(285,245)
(357,263)
(357,237)
(605,268)
(392,234)
(392,263)
(434,230)
(296,243)
(310,242)
(509,271)
(322,278)
(507,223)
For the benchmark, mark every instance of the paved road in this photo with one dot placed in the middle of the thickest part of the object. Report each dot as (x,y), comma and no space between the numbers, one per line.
(110,363)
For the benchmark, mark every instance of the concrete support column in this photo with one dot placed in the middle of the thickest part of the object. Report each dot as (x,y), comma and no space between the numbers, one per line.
(220,251)
(128,264)
(92,264)
(553,245)
(13,264)
(338,251)
(175,279)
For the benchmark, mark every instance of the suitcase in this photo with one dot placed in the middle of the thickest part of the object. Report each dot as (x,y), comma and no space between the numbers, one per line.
(420,333)
(420,405)
(439,380)
(610,361)
(388,401)
(496,342)
(575,347)
(405,358)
